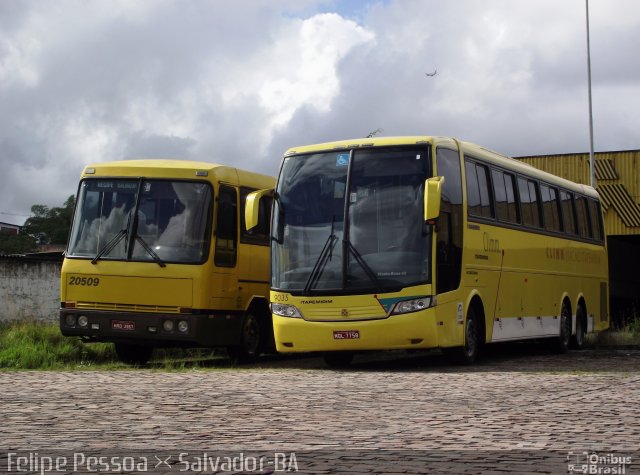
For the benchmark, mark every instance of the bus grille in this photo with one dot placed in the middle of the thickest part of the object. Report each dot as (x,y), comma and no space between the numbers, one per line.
(124,307)
(343,314)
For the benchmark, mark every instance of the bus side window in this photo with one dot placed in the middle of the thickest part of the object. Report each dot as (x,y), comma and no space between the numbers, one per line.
(485,192)
(503,190)
(512,205)
(529,200)
(596,219)
(550,208)
(568,215)
(473,189)
(584,228)
(226,227)
(500,193)
(479,202)
(449,241)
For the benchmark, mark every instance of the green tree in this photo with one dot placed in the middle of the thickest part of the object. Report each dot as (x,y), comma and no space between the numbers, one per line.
(12,244)
(50,225)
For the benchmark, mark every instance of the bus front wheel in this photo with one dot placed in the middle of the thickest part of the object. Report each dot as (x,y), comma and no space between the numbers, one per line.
(468,353)
(250,344)
(133,354)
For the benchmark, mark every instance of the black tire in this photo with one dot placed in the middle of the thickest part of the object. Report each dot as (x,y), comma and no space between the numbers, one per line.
(561,344)
(468,353)
(577,340)
(251,341)
(338,359)
(133,354)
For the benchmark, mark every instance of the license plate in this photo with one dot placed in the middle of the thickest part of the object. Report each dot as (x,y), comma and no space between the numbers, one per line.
(346,335)
(126,325)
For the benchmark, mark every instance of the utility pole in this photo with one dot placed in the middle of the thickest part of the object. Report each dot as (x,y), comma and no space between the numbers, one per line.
(592,168)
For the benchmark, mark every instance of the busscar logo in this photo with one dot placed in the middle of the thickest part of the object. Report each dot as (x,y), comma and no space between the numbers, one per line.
(345,312)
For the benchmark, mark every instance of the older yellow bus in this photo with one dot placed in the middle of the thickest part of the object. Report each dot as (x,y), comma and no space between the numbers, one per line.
(159,255)
(429,242)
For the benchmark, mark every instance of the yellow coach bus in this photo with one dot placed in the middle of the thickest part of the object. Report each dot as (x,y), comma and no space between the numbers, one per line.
(429,242)
(159,255)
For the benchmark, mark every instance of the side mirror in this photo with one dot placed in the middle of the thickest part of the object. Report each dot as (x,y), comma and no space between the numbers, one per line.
(252,207)
(432,196)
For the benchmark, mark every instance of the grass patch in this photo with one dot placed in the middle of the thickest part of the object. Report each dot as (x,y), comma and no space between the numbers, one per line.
(33,345)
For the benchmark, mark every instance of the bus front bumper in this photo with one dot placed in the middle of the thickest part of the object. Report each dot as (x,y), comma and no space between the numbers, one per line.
(152,329)
(410,331)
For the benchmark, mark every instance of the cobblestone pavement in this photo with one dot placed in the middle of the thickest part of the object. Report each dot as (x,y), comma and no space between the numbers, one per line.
(397,413)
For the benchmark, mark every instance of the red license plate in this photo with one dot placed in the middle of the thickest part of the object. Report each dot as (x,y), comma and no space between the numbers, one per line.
(346,335)
(126,325)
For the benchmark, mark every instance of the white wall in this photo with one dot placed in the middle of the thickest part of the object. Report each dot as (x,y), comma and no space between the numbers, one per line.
(29,290)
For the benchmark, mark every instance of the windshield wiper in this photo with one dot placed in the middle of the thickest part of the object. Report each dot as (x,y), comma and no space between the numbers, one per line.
(325,256)
(108,247)
(113,242)
(367,269)
(150,251)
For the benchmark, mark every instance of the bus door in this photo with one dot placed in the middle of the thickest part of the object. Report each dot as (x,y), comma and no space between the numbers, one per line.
(448,248)
(225,259)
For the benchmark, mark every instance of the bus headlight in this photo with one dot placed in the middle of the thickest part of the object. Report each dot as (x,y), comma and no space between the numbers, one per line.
(183,326)
(70,320)
(285,310)
(83,321)
(167,325)
(413,305)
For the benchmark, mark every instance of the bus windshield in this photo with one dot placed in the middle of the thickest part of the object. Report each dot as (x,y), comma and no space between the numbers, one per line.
(142,220)
(351,222)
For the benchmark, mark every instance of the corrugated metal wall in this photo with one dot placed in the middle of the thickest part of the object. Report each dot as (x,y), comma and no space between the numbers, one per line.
(618,182)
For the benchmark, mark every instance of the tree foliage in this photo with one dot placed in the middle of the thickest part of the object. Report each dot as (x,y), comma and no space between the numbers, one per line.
(50,225)
(20,244)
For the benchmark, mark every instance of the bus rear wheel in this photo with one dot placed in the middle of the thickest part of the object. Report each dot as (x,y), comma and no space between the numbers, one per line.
(133,354)
(251,337)
(577,340)
(561,344)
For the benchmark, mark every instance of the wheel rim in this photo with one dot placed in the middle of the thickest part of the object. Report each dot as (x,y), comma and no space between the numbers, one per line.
(565,334)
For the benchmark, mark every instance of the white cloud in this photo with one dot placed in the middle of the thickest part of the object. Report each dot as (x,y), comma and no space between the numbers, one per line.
(239,82)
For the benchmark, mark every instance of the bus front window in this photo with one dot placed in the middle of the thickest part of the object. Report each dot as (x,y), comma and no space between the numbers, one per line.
(141,220)
(382,246)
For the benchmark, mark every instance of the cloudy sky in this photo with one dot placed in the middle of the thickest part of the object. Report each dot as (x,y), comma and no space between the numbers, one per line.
(238,82)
